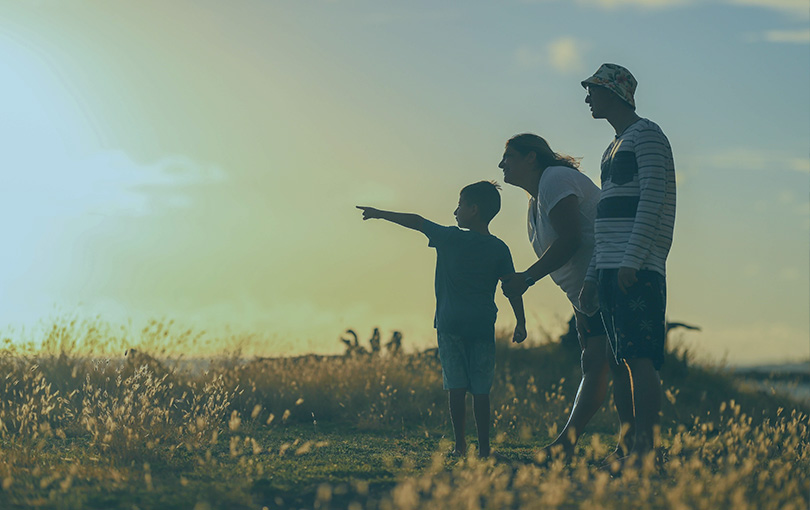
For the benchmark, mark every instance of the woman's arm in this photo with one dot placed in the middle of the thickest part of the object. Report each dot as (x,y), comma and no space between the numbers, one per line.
(565,220)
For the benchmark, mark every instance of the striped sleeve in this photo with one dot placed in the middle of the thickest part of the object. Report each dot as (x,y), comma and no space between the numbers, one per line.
(652,153)
(592,273)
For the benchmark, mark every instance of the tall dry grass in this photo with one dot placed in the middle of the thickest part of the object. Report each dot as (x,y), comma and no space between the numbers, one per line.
(724,447)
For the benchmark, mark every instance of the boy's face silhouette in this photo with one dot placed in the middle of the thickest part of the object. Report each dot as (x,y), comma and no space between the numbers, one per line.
(465,213)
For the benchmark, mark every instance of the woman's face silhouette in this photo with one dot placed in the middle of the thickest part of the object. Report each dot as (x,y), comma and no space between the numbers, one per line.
(516,167)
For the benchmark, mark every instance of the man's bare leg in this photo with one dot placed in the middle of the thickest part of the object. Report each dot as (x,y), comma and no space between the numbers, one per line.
(623,398)
(646,403)
(458,414)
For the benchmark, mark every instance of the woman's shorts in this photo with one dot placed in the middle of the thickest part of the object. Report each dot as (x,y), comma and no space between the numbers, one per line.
(588,327)
(635,322)
(467,363)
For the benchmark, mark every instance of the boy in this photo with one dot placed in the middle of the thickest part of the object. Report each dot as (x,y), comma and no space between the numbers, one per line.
(469,264)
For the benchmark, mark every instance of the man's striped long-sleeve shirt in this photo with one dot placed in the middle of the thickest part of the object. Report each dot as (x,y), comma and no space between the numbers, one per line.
(635,216)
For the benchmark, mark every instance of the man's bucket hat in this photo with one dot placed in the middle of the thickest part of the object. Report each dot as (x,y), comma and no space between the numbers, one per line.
(617,79)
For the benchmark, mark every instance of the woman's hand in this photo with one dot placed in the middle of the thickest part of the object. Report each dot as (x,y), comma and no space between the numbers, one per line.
(588,298)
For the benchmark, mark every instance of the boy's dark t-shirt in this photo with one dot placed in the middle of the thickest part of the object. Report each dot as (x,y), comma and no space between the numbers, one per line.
(468,266)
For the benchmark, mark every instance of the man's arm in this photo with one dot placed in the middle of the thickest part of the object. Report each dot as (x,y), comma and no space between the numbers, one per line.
(408,220)
(651,150)
(565,220)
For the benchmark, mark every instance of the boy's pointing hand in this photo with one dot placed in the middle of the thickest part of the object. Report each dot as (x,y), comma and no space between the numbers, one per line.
(369,213)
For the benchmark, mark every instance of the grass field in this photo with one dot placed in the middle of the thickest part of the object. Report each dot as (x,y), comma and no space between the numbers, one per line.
(78,430)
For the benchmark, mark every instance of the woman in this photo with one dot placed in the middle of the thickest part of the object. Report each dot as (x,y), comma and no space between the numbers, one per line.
(562,208)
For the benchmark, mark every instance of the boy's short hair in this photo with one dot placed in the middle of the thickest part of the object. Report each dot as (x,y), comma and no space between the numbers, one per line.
(485,195)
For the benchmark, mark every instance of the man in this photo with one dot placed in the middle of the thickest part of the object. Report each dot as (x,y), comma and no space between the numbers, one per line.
(633,234)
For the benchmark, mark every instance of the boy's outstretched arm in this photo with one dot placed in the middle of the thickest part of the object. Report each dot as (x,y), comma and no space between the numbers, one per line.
(520,317)
(408,220)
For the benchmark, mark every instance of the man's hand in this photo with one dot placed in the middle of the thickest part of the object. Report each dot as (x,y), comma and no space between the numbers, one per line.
(369,213)
(520,333)
(626,277)
(588,298)
(514,285)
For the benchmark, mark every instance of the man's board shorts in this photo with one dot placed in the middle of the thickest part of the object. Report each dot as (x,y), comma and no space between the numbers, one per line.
(588,327)
(635,322)
(467,363)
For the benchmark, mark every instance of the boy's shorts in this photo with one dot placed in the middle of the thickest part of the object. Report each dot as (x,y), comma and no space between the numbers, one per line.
(467,363)
(588,327)
(635,322)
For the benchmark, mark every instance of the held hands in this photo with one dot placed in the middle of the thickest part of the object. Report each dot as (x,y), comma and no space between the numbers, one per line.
(520,333)
(369,213)
(588,298)
(514,286)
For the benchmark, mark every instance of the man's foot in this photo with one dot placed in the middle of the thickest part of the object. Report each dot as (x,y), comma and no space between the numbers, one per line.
(499,457)
(558,449)
(456,453)
(617,454)
(646,462)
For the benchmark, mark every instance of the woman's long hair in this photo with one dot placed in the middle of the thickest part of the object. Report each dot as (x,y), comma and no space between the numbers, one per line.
(528,142)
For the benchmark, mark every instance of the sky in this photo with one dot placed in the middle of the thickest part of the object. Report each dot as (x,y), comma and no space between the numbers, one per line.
(201,161)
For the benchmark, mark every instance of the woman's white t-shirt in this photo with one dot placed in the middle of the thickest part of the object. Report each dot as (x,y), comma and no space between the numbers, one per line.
(556,183)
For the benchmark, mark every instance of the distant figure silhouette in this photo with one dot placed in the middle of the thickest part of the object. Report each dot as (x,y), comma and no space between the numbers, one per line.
(353,347)
(395,344)
(374,341)
(562,209)
(468,265)
(136,359)
(633,231)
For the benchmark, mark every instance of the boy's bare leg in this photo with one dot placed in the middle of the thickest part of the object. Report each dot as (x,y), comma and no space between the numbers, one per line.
(481,412)
(623,398)
(590,395)
(646,402)
(458,413)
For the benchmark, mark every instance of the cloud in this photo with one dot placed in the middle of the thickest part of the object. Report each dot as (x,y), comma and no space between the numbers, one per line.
(801,36)
(108,182)
(616,4)
(529,58)
(564,55)
(408,16)
(744,158)
(648,4)
(788,36)
(792,8)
